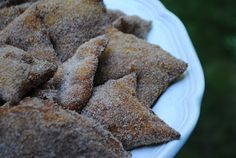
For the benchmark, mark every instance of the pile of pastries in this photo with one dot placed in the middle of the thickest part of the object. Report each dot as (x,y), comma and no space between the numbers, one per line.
(79,80)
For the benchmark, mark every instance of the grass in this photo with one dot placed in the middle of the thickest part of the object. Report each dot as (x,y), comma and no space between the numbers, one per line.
(212,27)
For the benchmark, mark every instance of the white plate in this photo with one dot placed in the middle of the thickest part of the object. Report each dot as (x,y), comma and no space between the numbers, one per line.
(179,106)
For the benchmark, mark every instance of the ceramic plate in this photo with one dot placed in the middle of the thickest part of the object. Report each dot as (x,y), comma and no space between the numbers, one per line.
(179,106)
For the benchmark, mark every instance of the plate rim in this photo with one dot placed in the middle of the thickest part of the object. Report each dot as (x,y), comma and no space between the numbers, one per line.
(185,43)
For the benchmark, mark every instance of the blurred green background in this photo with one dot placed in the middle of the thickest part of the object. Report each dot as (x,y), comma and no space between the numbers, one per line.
(212,27)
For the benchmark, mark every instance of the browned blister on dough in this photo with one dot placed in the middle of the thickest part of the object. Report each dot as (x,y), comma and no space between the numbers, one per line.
(115,106)
(155,68)
(37,128)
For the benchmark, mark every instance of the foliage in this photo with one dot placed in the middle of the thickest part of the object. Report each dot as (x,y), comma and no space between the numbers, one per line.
(212,28)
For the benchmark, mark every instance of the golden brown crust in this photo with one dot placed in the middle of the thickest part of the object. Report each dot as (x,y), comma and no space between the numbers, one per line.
(41,129)
(155,68)
(72,84)
(115,106)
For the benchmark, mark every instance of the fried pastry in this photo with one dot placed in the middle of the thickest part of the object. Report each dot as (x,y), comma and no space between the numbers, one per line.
(20,72)
(155,68)
(114,15)
(133,25)
(9,3)
(56,28)
(7,15)
(129,24)
(72,84)
(115,106)
(71,23)
(27,32)
(37,128)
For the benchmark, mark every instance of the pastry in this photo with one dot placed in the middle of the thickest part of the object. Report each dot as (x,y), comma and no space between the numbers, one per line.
(20,72)
(155,68)
(7,15)
(37,128)
(72,84)
(27,32)
(71,23)
(115,106)
(133,25)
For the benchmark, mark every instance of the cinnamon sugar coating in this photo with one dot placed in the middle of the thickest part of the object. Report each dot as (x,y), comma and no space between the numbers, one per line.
(28,32)
(115,106)
(133,25)
(72,84)
(70,23)
(7,15)
(37,128)
(20,72)
(155,68)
